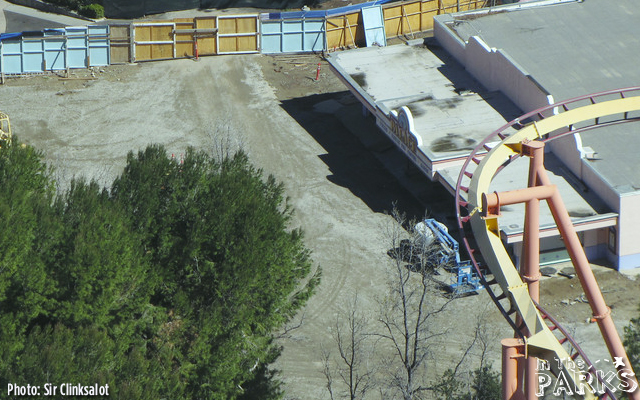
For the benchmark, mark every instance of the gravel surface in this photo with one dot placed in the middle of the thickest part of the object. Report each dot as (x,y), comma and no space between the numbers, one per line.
(291,126)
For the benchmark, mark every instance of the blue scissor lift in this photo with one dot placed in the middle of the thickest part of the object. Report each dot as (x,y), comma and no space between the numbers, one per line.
(466,279)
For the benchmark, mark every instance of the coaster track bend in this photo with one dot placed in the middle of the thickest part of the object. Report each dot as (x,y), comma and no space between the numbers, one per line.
(543,336)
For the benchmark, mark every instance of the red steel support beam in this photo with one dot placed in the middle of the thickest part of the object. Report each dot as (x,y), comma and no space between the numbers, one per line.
(512,352)
(540,188)
(601,312)
(530,264)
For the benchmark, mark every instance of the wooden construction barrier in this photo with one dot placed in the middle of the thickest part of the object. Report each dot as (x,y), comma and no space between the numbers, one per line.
(120,43)
(191,37)
(345,31)
(406,18)
(417,16)
(154,41)
(237,34)
(206,44)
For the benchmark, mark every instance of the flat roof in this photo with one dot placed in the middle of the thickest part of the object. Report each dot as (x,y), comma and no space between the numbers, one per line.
(452,112)
(574,49)
(583,205)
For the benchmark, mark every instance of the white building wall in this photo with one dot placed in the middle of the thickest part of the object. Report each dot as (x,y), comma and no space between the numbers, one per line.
(596,183)
(567,149)
(493,68)
(447,39)
(628,235)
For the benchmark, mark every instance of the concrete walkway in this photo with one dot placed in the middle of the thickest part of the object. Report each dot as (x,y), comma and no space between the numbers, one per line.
(14,18)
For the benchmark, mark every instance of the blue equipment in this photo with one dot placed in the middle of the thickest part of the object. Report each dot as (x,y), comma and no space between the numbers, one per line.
(466,279)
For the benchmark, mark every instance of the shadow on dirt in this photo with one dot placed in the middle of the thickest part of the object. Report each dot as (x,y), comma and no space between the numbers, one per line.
(352,165)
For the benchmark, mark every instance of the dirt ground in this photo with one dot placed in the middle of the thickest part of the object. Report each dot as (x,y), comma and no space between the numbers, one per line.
(293,127)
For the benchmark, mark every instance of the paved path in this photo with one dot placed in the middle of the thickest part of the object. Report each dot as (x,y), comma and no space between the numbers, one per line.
(14,18)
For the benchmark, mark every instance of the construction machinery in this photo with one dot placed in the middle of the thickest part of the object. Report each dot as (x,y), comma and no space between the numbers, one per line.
(445,252)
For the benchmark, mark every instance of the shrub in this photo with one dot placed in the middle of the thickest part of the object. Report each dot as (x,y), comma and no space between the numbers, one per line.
(632,343)
(95,11)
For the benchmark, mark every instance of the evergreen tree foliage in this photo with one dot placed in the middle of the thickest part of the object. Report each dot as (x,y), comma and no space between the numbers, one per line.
(483,384)
(632,343)
(167,285)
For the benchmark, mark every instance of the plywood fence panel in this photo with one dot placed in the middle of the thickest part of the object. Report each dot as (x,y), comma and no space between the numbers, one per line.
(247,44)
(392,21)
(227,25)
(451,6)
(154,41)
(238,34)
(345,31)
(207,45)
(247,25)
(184,41)
(412,22)
(143,33)
(412,17)
(472,5)
(143,53)
(120,41)
(162,33)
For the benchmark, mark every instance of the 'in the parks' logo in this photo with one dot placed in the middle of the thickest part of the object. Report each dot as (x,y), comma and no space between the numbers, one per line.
(575,377)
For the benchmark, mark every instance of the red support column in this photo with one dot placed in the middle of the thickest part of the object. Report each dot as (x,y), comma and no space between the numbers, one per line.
(512,352)
(530,264)
(601,312)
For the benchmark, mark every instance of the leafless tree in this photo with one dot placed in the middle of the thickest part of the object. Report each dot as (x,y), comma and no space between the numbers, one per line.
(408,311)
(351,367)
(474,360)
(407,332)
(225,139)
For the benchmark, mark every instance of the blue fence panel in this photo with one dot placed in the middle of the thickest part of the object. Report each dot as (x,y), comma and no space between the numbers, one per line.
(271,36)
(292,36)
(11,56)
(32,55)
(54,49)
(77,47)
(373,23)
(99,47)
(54,54)
(314,37)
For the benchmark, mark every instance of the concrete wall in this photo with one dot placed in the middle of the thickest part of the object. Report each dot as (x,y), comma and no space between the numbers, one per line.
(568,150)
(595,243)
(448,39)
(628,235)
(493,68)
(596,183)
(627,251)
(497,71)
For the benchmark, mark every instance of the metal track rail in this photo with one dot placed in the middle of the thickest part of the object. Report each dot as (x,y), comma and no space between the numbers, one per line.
(506,288)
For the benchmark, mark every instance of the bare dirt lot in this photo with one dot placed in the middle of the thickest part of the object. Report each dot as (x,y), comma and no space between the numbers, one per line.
(293,127)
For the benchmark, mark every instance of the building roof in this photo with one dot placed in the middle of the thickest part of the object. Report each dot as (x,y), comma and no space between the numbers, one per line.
(573,49)
(452,112)
(583,205)
(450,107)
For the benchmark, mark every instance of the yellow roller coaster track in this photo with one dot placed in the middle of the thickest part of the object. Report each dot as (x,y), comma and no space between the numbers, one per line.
(543,336)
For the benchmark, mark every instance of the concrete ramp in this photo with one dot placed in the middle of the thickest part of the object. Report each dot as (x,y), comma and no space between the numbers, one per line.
(15,18)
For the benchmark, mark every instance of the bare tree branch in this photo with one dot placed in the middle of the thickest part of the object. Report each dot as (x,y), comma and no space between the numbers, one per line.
(354,352)
(290,328)
(414,300)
